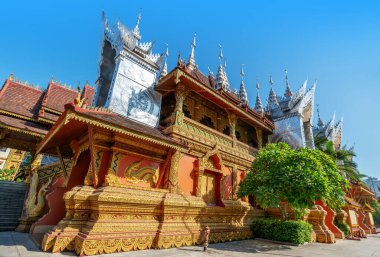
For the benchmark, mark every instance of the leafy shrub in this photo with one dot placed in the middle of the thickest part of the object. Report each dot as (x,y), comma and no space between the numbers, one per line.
(296,232)
(342,226)
(376,214)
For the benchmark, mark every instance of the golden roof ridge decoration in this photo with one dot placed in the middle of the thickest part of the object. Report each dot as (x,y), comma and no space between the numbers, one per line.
(12,78)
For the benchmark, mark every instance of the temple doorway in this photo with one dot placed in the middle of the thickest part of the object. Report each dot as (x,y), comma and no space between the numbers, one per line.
(208,188)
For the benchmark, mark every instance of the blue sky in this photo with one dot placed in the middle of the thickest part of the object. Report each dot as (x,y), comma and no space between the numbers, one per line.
(335,42)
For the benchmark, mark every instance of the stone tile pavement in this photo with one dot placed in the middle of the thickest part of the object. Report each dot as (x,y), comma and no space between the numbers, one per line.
(13,244)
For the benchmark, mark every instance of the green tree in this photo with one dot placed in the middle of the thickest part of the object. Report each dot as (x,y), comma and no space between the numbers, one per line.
(299,177)
(344,158)
(376,214)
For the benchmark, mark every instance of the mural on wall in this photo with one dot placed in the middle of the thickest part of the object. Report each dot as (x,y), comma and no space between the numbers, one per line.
(133,170)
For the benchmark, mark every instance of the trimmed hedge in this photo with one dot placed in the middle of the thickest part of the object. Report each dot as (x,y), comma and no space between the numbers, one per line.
(342,226)
(296,232)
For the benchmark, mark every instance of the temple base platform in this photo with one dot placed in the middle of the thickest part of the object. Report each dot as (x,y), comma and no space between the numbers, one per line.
(317,218)
(112,219)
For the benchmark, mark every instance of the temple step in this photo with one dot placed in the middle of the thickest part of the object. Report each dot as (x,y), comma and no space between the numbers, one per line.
(11,203)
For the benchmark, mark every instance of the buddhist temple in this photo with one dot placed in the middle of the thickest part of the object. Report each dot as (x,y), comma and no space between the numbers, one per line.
(292,114)
(150,156)
(177,143)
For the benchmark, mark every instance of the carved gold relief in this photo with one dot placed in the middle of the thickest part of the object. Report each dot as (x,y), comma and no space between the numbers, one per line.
(173,172)
(134,173)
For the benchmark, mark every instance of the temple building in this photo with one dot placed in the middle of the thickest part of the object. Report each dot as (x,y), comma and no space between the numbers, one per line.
(151,156)
(331,131)
(292,114)
(374,184)
(176,143)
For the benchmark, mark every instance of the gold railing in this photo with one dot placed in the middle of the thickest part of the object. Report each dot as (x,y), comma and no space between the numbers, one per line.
(198,132)
(246,148)
(206,133)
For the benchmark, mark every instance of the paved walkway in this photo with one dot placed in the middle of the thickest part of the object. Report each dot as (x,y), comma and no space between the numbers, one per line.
(13,244)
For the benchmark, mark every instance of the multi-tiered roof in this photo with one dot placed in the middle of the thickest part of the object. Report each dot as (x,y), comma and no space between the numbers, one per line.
(28,112)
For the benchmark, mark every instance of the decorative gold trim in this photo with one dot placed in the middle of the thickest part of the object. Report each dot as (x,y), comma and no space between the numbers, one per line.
(42,119)
(82,148)
(22,131)
(17,115)
(52,110)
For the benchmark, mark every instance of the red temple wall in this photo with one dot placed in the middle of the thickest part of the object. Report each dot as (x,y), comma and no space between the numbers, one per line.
(54,197)
(186,176)
(240,177)
(227,183)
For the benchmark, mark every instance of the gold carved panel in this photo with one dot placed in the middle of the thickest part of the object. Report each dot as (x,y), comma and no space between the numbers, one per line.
(208,188)
(134,173)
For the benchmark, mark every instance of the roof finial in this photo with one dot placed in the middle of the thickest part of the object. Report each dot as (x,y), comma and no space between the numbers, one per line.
(164,70)
(179,58)
(104,19)
(320,122)
(221,76)
(288,91)
(191,62)
(220,55)
(271,81)
(136,31)
(272,100)
(242,72)
(258,105)
(11,77)
(242,92)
